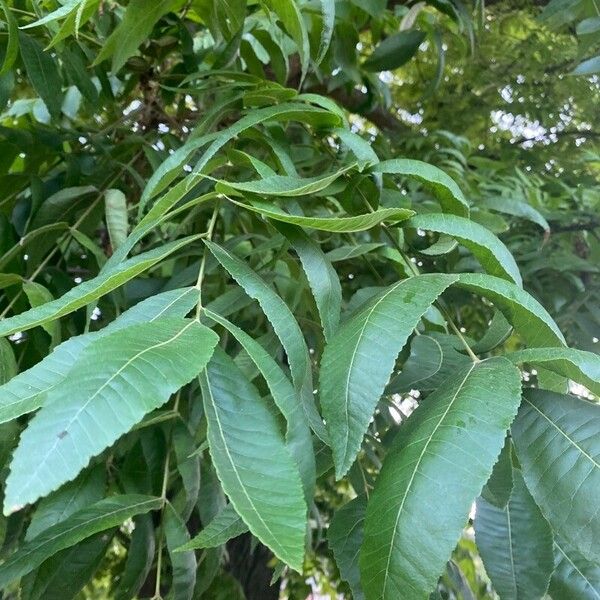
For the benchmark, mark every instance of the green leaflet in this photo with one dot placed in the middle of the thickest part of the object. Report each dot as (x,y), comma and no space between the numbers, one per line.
(67,572)
(37,295)
(289,14)
(578,365)
(328,23)
(515,544)
(322,278)
(517,209)
(394,51)
(359,359)
(574,576)
(493,255)
(64,10)
(425,361)
(140,556)
(342,253)
(8,363)
(435,468)
(42,71)
(362,150)
(334,223)
(497,332)
(77,494)
(25,392)
(443,187)
(116,216)
(298,436)
(136,26)
(284,185)
(499,486)
(183,564)
(528,316)
(90,290)
(225,526)
(254,466)
(345,537)
(558,447)
(285,325)
(82,416)
(107,513)
(12,47)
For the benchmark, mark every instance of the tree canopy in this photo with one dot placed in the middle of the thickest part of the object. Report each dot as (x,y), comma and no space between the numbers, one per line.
(299,297)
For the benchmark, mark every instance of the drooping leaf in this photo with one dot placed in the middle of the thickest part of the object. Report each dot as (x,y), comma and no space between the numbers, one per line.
(497,332)
(493,255)
(338,224)
(574,576)
(359,359)
(298,436)
(499,486)
(183,564)
(515,544)
(12,46)
(328,23)
(253,463)
(527,315)
(321,276)
(64,574)
(116,216)
(136,26)
(37,295)
(8,363)
(345,537)
(578,365)
(43,73)
(436,467)
(25,392)
(82,416)
(291,17)
(285,325)
(342,253)
(442,186)
(90,290)
(107,513)
(225,526)
(140,556)
(394,51)
(75,495)
(557,445)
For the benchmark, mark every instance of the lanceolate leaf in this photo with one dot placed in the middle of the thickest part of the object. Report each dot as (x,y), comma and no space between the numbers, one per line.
(136,26)
(493,255)
(90,290)
(285,326)
(499,486)
(116,216)
(322,278)
(578,365)
(556,438)
(12,47)
(394,51)
(225,526)
(285,185)
(183,564)
(527,315)
(442,186)
(515,544)
(339,224)
(107,513)
(328,23)
(43,73)
(298,436)
(252,461)
(83,415)
(359,359)
(345,538)
(25,392)
(574,576)
(436,467)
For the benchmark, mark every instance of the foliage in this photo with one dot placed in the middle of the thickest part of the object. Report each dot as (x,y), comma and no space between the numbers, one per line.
(317,277)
